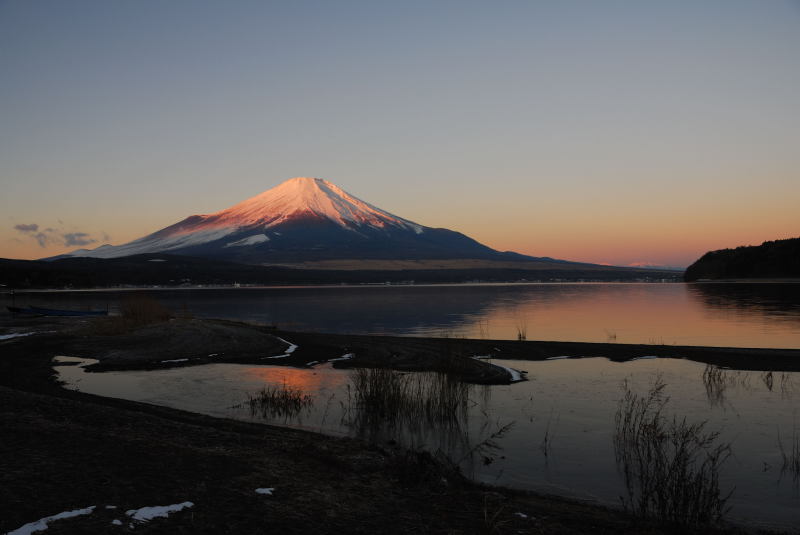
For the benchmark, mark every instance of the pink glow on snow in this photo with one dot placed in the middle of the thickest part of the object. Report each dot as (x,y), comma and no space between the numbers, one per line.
(304,195)
(301,196)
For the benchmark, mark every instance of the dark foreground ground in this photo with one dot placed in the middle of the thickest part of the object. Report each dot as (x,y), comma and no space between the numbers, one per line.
(63,450)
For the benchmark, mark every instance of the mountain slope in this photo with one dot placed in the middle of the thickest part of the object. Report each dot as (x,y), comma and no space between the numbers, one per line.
(771,259)
(308,220)
(303,220)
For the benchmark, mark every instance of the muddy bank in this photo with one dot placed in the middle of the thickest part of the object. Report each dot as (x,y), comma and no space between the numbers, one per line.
(65,451)
(414,353)
(186,342)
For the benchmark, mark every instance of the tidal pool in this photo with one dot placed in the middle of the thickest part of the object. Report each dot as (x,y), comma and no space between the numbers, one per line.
(553,433)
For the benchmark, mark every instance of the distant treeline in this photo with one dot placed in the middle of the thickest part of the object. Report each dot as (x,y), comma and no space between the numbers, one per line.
(771,259)
(172,270)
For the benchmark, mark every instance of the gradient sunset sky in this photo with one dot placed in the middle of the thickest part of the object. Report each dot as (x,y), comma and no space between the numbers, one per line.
(601,131)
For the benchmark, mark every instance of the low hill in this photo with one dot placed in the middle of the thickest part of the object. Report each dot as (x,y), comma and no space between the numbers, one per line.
(771,259)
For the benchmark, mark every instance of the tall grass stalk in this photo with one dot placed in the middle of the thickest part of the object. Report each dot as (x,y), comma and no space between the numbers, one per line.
(670,467)
(134,311)
(386,396)
(547,442)
(521,325)
(277,401)
(791,455)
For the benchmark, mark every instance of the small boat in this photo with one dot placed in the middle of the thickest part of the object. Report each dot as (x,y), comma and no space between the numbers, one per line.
(39,311)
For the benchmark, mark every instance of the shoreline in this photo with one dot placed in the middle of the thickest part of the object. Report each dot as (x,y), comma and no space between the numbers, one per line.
(248,286)
(143,455)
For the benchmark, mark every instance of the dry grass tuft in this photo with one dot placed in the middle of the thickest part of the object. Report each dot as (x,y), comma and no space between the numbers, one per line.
(277,401)
(134,311)
(670,467)
(791,456)
(384,396)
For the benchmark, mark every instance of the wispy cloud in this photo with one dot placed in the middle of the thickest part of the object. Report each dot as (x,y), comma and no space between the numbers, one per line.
(77,239)
(33,227)
(56,236)
(43,239)
(32,230)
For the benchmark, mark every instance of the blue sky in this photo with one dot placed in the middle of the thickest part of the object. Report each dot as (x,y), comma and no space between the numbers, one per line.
(614,132)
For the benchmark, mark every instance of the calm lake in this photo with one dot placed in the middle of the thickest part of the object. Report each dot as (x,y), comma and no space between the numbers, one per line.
(559,425)
(554,432)
(712,314)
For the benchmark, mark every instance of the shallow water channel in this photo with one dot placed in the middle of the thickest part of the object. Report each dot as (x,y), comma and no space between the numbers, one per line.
(554,432)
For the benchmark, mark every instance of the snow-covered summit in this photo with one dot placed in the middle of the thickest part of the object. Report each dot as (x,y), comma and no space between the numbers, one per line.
(256,221)
(308,196)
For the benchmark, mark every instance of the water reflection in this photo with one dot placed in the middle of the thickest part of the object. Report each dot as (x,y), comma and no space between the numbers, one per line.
(561,439)
(778,300)
(733,315)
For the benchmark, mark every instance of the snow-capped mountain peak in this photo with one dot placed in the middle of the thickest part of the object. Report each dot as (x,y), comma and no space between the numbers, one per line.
(308,196)
(255,222)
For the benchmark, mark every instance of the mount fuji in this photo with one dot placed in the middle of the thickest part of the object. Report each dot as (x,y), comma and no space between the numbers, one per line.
(305,221)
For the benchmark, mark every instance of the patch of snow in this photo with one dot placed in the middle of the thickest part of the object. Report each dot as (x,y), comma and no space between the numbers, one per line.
(289,350)
(343,357)
(516,375)
(82,362)
(146,514)
(111,506)
(156,260)
(558,358)
(116,522)
(266,491)
(213,354)
(645,357)
(14,335)
(174,237)
(521,515)
(313,362)
(41,524)
(175,360)
(250,240)
(292,346)
(481,357)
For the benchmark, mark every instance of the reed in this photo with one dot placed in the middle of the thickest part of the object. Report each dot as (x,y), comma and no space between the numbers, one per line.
(386,396)
(791,455)
(483,329)
(134,311)
(715,382)
(670,467)
(143,310)
(277,401)
(521,325)
(547,442)
(768,379)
